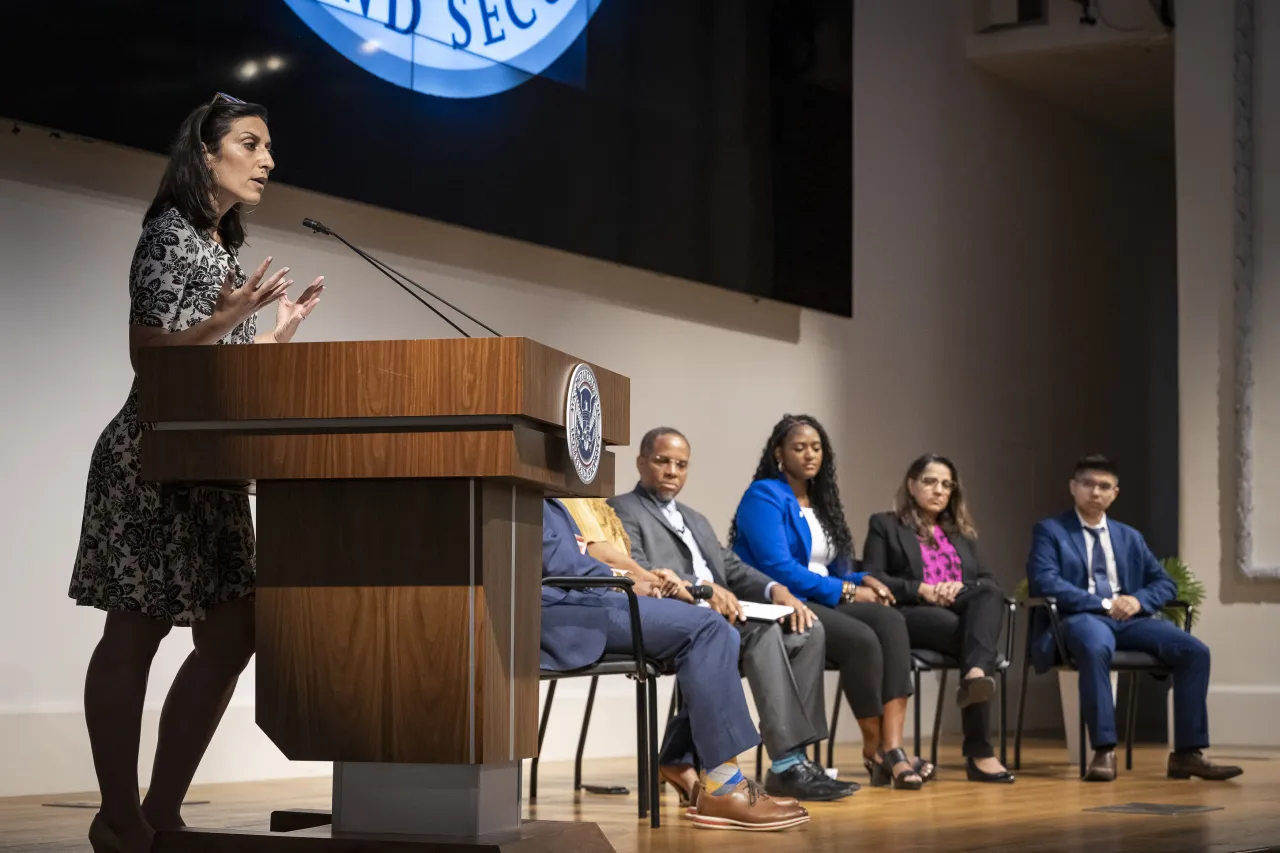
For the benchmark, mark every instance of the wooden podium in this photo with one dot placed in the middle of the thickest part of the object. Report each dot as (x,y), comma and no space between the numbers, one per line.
(399,513)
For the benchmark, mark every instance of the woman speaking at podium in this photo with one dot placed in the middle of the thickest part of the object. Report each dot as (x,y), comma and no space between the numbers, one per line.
(149,560)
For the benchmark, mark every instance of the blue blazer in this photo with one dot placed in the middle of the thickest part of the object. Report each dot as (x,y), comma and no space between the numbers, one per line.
(1057,566)
(575,623)
(773,536)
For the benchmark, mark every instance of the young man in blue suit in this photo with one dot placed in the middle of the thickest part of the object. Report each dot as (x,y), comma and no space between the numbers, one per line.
(714,726)
(1109,587)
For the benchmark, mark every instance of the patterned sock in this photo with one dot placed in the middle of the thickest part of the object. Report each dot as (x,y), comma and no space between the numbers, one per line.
(786,762)
(722,779)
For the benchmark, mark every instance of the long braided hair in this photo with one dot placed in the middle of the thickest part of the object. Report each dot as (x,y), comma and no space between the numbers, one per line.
(824,492)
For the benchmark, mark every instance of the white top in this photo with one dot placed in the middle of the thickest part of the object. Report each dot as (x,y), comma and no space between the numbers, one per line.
(821,555)
(1107,552)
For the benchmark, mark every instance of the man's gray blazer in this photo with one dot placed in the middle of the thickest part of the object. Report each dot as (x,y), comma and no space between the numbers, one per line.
(655,544)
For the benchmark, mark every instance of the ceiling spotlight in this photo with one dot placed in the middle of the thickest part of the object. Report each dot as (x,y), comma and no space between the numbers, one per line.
(249,70)
(274,63)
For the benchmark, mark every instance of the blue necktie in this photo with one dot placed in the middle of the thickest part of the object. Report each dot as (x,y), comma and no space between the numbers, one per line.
(1101,585)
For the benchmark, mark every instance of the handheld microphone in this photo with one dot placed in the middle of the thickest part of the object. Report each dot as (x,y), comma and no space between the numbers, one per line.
(701,592)
(396,276)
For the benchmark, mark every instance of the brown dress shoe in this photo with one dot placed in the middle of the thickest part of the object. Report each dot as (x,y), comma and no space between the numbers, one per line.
(697,790)
(1103,766)
(1184,765)
(747,807)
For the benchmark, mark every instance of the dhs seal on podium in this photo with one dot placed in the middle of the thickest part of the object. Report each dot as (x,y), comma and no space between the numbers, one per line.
(583,422)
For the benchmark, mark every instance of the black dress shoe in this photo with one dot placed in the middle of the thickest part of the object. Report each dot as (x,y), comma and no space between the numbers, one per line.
(973,691)
(1004,777)
(818,772)
(804,782)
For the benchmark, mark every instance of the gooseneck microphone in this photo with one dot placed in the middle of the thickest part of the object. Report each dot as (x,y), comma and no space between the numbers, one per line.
(396,276)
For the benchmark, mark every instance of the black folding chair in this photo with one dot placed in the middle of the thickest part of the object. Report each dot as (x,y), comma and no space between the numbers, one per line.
(927,660)
(1131,662)
(634,665)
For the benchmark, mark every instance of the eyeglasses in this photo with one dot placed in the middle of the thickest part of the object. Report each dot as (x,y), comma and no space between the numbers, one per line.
(224,98)
(1104,486)
(930,482)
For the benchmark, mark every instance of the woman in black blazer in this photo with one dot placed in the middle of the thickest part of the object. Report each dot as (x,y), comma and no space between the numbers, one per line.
(926,552)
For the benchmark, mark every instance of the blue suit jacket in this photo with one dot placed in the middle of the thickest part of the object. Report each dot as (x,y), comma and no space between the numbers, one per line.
(1057,566)
(574,622)
(774,536)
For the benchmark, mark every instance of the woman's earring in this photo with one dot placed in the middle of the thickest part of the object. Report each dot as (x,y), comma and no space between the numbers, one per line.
(779,466)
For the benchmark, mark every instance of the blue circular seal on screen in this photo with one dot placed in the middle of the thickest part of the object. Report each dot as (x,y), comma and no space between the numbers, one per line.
(449,48)
(583,423)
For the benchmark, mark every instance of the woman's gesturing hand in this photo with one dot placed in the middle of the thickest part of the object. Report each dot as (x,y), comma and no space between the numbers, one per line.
(289,313)
(237,304)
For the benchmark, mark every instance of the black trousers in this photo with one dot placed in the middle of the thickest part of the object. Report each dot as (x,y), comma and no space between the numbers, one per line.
(869,644)
(969,630)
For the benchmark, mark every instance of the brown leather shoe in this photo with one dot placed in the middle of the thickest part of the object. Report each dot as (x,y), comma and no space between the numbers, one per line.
(1103,766)
(1187,764)
(684,779)
(747,807)
(697,789)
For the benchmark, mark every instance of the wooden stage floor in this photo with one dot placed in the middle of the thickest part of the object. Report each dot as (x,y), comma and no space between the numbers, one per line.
(1044,811)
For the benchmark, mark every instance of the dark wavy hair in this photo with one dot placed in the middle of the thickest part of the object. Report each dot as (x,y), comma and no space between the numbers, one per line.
(955,519)
(824,492)
(188,184)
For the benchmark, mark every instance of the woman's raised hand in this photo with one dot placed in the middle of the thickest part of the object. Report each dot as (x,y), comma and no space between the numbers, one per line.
(237,304)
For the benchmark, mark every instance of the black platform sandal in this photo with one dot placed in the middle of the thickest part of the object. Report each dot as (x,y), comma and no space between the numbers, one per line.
(902,780)
(926,770)
(880,776)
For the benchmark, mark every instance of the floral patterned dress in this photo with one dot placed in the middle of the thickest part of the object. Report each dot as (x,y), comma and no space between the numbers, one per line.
(140,551)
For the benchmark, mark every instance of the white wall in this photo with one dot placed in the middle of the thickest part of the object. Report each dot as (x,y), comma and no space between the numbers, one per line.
(1122,21)
(1240,620)
(983,222)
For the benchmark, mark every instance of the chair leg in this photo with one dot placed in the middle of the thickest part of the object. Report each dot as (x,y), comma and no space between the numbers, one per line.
(1017,728)
(542,732)
(642,748)
(759,759)
(1082,744)
(835,718)
(1004,717)
(582,735)
(1131,720)
(915,708)
(937,717)
(655,819)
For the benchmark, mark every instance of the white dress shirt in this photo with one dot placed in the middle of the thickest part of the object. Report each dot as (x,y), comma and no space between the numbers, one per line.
(1107,552)
(701,570)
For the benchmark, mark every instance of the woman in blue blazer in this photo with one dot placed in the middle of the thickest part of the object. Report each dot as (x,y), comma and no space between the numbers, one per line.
(790,525)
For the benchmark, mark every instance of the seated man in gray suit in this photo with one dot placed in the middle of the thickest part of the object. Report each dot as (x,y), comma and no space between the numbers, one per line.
(783,667)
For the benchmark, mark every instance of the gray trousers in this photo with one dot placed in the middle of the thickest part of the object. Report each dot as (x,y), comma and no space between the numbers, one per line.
(785,671)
